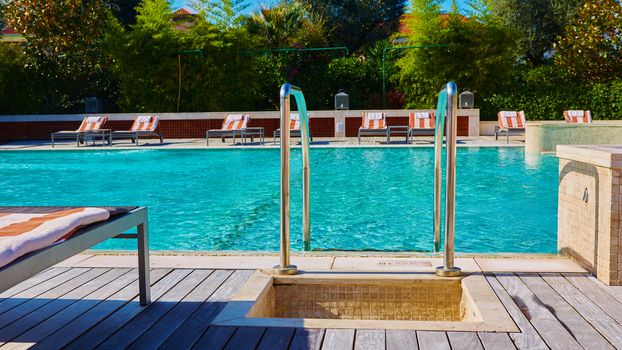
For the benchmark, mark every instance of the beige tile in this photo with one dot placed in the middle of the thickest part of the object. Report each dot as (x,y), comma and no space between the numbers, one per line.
(399,264)
(207,262)
(528,265)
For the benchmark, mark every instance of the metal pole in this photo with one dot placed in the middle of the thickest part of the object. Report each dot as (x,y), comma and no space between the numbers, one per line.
(438,175)
(286,90)
(449,270)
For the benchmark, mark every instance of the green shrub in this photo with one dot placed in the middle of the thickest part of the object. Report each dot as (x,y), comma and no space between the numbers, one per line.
(546,91)
(17,89)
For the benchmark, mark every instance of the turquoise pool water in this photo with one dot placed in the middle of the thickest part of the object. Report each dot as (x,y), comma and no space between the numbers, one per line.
(361,198)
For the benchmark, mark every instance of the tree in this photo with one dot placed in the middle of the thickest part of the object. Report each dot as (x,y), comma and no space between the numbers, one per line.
(355,23)
(591,47)
(225,14)
(64,49)
(287,24)
(124,10)
(479,55)
(538,22)
(147,72)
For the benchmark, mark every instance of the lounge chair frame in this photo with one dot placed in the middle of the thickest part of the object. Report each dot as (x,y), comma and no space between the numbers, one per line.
(134,135)
(39,260)
(499,130)
(292,133)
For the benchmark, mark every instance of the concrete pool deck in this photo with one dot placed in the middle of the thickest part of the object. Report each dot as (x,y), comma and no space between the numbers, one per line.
(215,143)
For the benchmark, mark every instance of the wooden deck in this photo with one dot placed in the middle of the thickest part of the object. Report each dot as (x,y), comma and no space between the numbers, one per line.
(83,308)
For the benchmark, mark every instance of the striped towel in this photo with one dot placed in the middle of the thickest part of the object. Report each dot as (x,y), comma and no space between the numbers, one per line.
(24,230)
(421,120)
(235,122)
(294,121)
(92,123)
(512,119)
(577,116)
(374,121)
(145,123)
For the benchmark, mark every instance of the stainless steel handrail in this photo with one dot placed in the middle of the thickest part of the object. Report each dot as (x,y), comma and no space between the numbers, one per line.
(448,269)
(285,267)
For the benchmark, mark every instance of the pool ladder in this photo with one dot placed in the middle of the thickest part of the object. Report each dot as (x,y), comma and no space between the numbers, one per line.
(285,267)
(446,107)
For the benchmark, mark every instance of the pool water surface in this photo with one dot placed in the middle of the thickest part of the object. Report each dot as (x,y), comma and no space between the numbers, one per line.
(361,198)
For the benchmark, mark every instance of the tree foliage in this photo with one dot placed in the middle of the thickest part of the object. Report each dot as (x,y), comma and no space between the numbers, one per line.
(356,23)
(287,24)
(478,57)
(64,48)
(591,48)
(538,23)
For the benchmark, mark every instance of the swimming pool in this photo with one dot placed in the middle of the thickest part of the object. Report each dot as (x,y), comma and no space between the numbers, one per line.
(361,198)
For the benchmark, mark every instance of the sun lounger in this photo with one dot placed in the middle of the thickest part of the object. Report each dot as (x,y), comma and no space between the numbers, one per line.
(577,117)
(420,123)
(294,128)
(510,121)
(33,239)
(91,128)
(373,124)
(144,125)
(235,125)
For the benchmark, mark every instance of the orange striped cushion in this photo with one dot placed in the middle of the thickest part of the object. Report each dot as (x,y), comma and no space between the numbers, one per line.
(26,230)
(235,122)
(145,123)
(577,116)
(374,121)
(421,120)
(294,121)
(92,123)
(512,119)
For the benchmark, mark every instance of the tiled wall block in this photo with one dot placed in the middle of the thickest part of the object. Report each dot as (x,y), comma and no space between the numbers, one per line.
(588,217)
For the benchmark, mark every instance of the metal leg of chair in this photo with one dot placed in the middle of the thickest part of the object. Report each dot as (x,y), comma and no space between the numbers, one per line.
(359,136)
(508,137)
(52,140)
(143,264)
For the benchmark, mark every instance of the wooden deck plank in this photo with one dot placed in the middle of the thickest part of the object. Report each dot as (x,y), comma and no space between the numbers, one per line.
(30,313)
(585,334)
(615,291)
(61,311)
(106,307)
(168,324)
(124,314)
(33,281)
(338,339)
(464,341)
(307,339)
(598,318)
(549,328)
(245,338)
(600,297)
(432,340)
(496,341)
(276,339)
(191,330)
(401,339)
(26,295)
(370,339)
(216,338)
(151,313)
(528,338)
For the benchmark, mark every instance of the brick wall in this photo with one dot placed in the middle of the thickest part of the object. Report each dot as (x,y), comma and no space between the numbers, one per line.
(170,128)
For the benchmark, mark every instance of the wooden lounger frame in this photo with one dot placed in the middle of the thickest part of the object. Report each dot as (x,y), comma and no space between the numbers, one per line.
(39,260)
